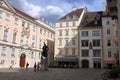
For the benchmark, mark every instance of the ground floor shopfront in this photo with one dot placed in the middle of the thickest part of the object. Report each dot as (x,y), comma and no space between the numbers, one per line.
(66,62)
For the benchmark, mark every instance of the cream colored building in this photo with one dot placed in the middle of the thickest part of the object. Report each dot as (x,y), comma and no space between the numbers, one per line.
(66,38)
(90,41)
(22,37)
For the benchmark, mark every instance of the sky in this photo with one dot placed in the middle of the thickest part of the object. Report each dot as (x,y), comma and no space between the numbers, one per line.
(52,10)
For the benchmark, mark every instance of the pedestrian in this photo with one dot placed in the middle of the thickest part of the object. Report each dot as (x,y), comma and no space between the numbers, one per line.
(38,67)
(27,66)
(35,67)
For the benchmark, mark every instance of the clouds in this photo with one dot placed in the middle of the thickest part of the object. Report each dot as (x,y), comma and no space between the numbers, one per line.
(52,10)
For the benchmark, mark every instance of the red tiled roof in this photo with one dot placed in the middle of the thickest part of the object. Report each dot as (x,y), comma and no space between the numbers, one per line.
(76,13)
(24,14)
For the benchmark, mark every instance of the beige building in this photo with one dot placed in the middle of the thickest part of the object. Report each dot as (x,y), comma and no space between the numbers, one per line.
(90,41)
(66,38)
(22,37)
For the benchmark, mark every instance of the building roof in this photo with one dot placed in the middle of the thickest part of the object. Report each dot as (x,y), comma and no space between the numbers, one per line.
(91,19)
(23,14)
(76,13)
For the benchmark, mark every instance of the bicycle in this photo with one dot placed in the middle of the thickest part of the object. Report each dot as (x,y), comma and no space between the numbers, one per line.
(105,75)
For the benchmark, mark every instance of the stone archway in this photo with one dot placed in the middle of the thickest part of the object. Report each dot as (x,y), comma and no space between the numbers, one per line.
(85,64)
(22,60)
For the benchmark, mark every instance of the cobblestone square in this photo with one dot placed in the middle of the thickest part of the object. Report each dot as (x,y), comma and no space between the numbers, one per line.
(51,74)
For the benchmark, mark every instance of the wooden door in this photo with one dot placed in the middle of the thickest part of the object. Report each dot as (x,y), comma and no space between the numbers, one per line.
(22,60)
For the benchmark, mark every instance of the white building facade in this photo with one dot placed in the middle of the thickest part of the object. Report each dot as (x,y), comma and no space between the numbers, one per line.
(21,37)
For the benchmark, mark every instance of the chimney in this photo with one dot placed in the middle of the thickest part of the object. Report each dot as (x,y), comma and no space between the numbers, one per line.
(74,7)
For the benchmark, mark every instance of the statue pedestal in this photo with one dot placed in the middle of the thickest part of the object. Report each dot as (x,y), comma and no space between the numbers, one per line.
(44,64)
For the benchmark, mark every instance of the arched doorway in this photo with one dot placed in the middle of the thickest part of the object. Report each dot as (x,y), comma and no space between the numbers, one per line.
(85,64)
(22,60)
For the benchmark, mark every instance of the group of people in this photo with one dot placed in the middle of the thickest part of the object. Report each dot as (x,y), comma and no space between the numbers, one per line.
(37,67)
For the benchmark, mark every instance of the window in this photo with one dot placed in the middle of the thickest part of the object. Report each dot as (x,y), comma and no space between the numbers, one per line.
(2,62)
(3,51)
(5,35)
(85,53)
(96,53)
(21,40)
(41,30)
(34,28)
(73,24)
(95,22)
(7,16)
(68,17)
(84,43)
(0,14)
(96,42)
(60,32)
(16,20)
(109,54)
(27,39)
(60,42)
(73,32)
(60,51)
(73,51)
(40,44)
(74,17)
(73,42)
(23,23)
(14,37)
(66,51)
(67,24)
(60,24)
(32,55)
(66,42)
(109,42)
(33,42)
(108,31)
(96,33)
(67,32)
(28,25)
(84,33)
(13,52)
(107,22)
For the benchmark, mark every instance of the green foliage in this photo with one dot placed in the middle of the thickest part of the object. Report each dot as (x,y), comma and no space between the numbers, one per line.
(114,72)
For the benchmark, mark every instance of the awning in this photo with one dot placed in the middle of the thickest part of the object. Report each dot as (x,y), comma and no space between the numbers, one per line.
(67,59)
(109,62)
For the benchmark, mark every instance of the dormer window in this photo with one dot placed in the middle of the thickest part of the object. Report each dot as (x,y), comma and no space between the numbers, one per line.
(68,17)
(97,17)
(74,17)
(95,22)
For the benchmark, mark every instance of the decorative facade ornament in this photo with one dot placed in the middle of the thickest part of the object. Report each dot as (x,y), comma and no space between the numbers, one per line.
(26,31)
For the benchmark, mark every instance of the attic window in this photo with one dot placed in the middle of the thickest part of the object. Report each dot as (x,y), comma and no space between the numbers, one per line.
(95,22)
(74,17)
(97,17)
(68,17)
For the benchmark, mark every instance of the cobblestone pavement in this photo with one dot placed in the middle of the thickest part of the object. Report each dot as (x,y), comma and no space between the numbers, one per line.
(51,74)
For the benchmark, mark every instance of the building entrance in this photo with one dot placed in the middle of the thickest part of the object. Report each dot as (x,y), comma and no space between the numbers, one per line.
(22,60)
(85,64)
(97,64)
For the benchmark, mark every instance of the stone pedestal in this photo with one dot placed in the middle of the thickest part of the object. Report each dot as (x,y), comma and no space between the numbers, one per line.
(44,64)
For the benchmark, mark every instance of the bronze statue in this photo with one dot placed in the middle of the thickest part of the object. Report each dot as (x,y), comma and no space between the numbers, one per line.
(45,50)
